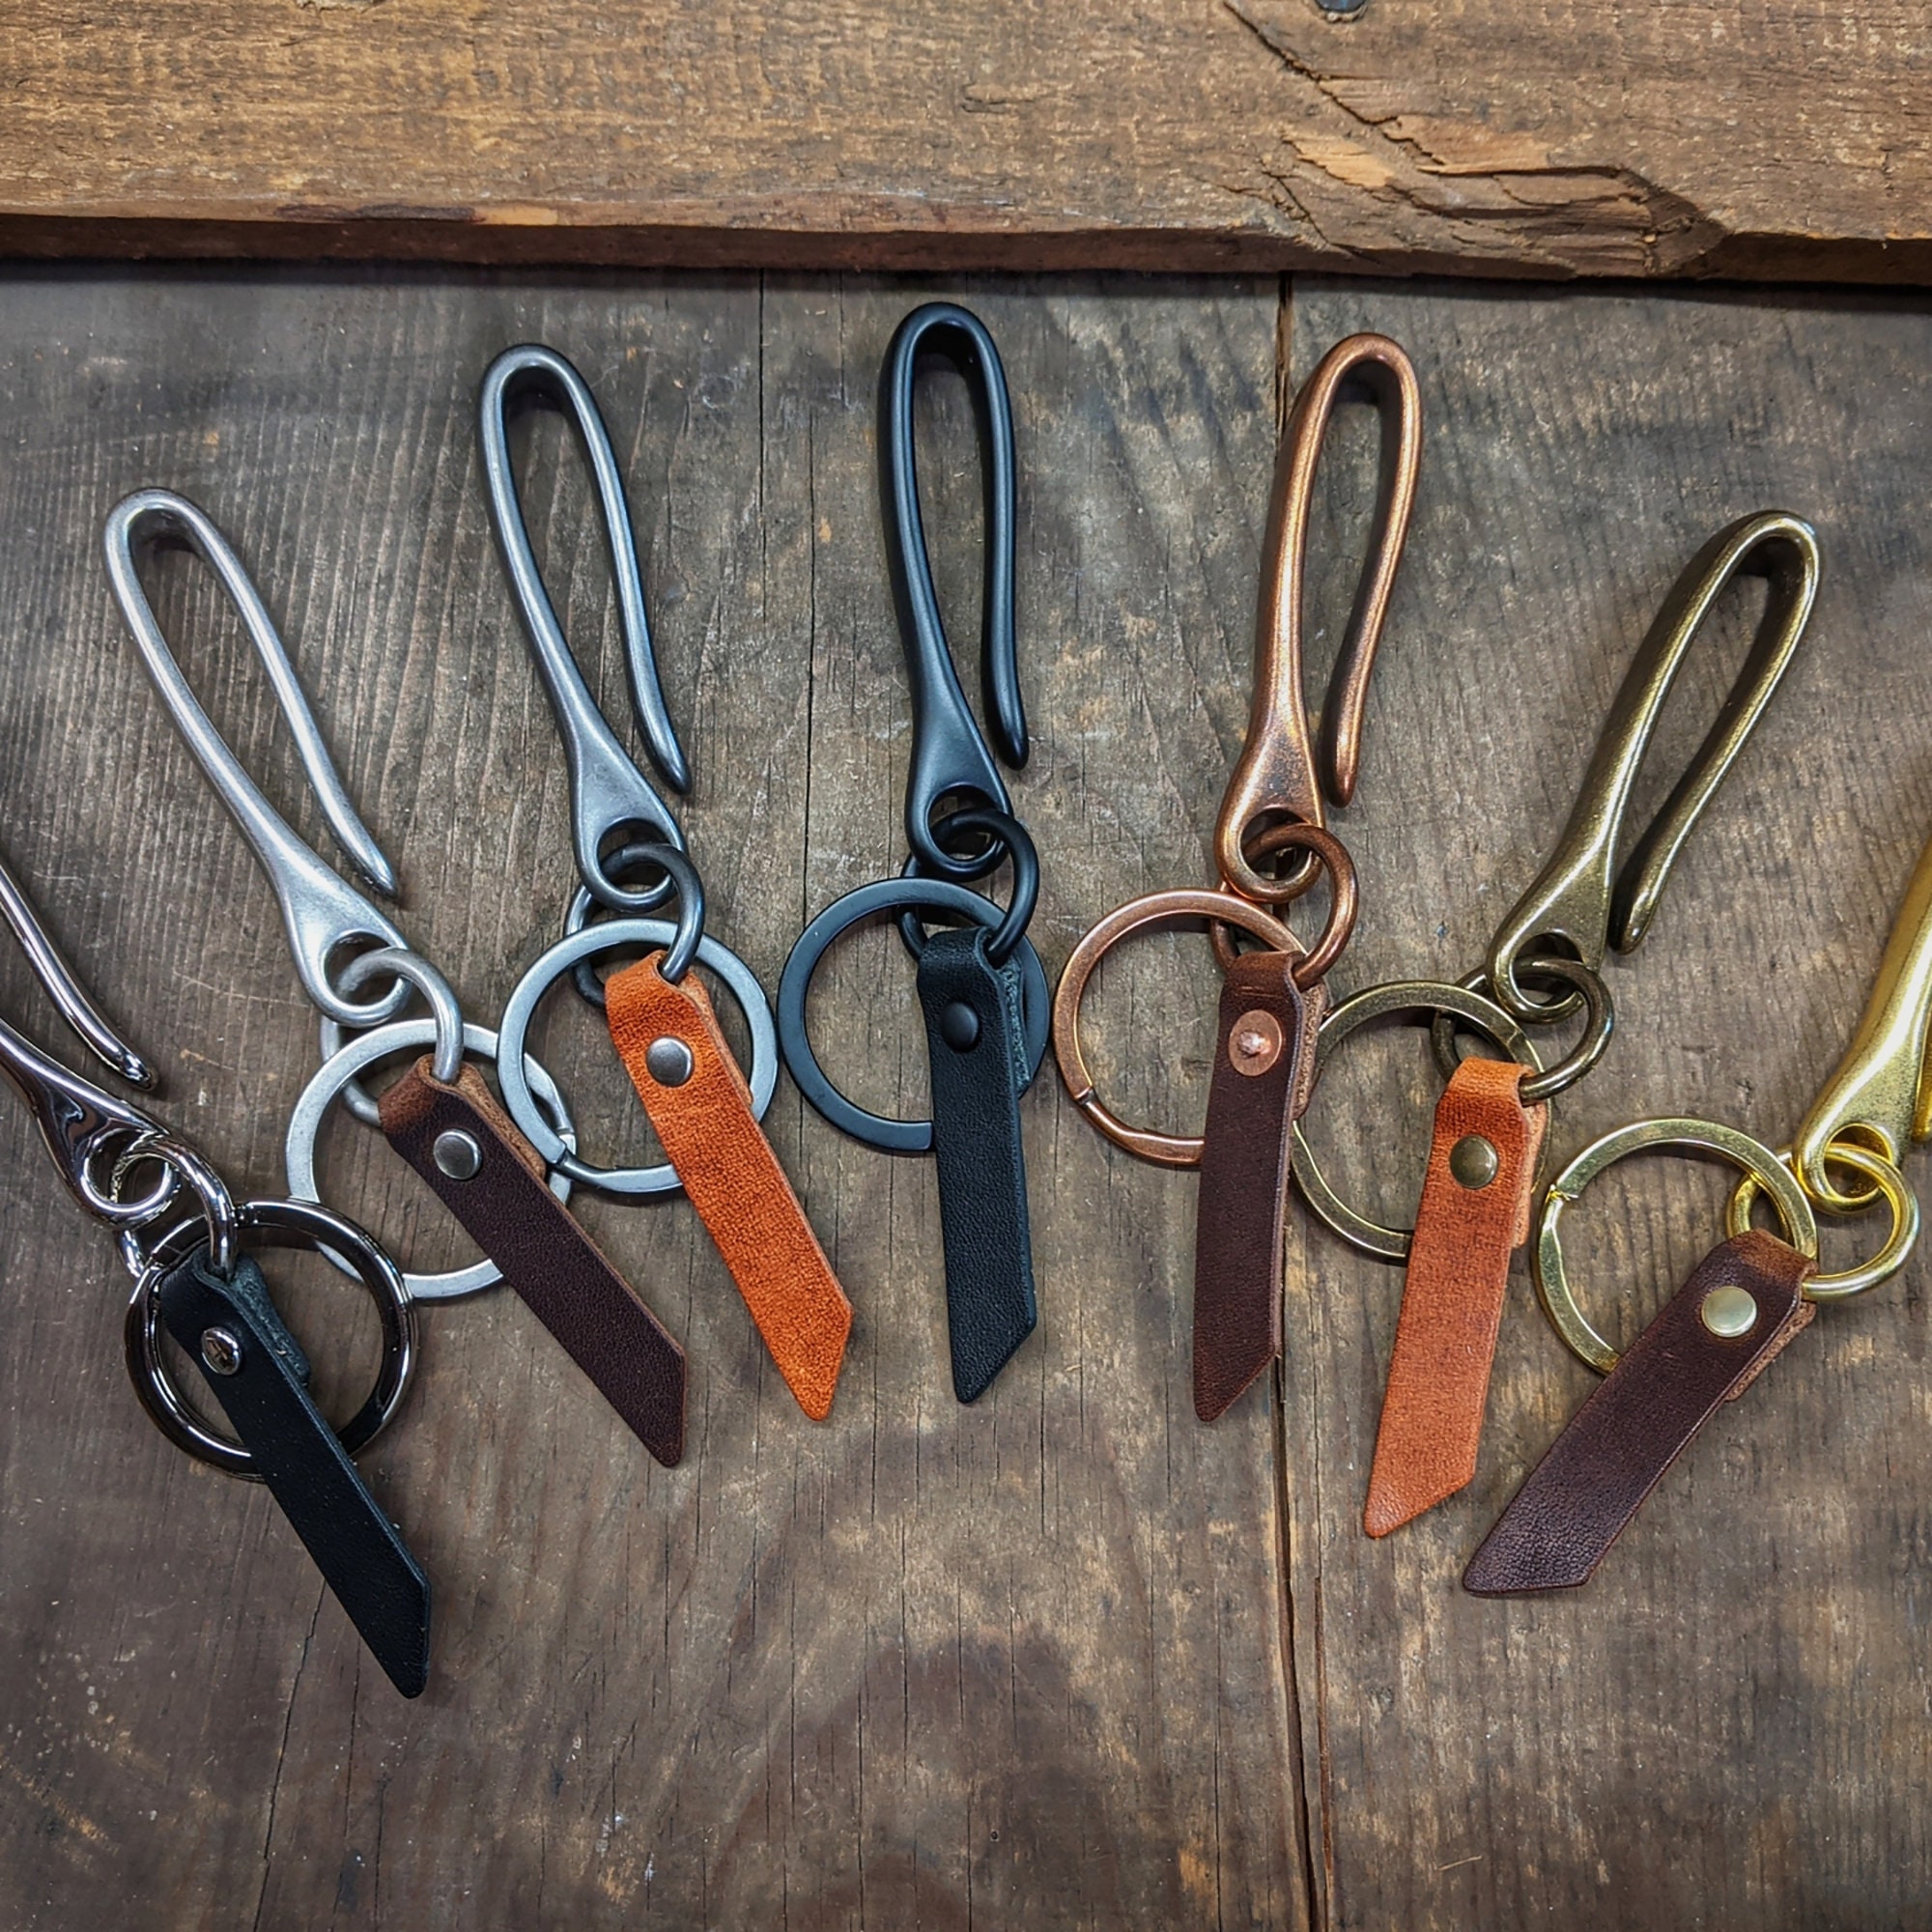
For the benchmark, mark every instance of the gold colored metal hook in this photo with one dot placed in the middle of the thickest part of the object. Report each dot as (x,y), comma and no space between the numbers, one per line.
(1277,776)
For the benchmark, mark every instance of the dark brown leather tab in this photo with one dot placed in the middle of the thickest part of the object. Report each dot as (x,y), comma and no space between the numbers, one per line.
(1264,1072)
(1474,1215)
(560,1273)
(1615,1449)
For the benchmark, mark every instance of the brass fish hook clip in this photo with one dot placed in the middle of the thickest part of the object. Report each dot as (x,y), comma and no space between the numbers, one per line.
(1272,1000)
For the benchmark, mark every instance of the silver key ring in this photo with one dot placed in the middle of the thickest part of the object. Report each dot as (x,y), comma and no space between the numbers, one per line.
(335,1079)
(284,1223)
(610,937)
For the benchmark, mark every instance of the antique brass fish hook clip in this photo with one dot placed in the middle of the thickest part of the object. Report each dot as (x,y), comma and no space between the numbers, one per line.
(195,1279)
(438,1116)
(1272,1000)
(1747,1297)
(705,1110)
(981,990)
(1599,889)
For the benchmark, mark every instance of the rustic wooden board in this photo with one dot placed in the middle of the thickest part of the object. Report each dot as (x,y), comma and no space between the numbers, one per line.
(1552,138)
(1023,1663)
(1728,1726)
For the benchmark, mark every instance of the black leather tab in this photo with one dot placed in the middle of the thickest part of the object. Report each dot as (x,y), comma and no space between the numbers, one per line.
(296,1454)
(976,1041)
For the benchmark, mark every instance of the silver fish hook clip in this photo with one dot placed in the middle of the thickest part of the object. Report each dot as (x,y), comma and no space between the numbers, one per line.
(80,1122)
(322,912)
(609,796)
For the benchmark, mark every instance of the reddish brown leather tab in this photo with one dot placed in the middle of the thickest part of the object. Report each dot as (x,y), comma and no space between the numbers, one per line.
(1615,1449)
(1264,1072)
(559,1273)
(1452,1299)
(733,1178)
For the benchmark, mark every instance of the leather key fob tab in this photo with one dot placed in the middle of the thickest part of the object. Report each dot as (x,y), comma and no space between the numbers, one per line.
(668,1037)
(1264,1072)
(1474,1215)
(977,1043)
(1697,1355)
(493,1180)
(297,1455)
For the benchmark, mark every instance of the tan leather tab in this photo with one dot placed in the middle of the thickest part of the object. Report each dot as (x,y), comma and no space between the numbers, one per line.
(1452,1300)
(732,1176)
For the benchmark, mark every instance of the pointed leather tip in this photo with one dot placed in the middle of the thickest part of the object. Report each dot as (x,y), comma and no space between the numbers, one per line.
(1391,1504)
(1216,1390)
(1512,1568)
(972,1380)
(815,1380)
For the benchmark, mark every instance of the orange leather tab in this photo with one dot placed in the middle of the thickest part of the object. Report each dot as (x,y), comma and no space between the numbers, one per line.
(1452,1301)
(732,1176)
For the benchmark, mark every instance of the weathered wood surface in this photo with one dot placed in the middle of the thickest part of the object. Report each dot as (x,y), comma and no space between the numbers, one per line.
(1022,1663)
(1551,138)
(1066,1658)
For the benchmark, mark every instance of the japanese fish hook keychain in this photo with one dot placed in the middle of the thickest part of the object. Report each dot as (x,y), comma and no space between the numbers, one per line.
(982,990)
(194,1277)
(1272,1000)
(1745,1300)
(1599,889)
(704,1110)
(439,1116)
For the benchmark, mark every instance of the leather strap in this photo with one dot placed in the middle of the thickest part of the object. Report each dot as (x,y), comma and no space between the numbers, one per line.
(1474,1215)
(977,1041)
(1264,1073)
(560,1273)
(732,1175)
(362,1559)
(1615,1449)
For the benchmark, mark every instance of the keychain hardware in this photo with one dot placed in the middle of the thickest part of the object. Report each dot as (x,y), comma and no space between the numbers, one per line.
(982,991)
(1274,803)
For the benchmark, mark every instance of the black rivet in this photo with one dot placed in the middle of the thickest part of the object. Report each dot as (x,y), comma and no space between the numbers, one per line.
(960,1026)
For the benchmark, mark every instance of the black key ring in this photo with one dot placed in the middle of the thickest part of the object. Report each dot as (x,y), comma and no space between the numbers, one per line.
(1008,838)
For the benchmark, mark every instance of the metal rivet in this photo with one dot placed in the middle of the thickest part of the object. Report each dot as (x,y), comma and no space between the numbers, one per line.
(1474,1161)
(668,1061)
(457,1154)
(1729,1311)
(960,1026)
(1254,1042)
(221,1351)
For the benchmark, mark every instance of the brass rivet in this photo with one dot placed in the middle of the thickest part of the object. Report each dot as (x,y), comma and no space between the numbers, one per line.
(1474,1161)
(221,1351)
(1729,1311)
(668,1061)
(1254,1042)
(457,1154)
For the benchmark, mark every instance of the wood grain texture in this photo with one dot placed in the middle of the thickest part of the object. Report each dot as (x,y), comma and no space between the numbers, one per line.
(1726,1726)
(1556,138)
(1023,1663)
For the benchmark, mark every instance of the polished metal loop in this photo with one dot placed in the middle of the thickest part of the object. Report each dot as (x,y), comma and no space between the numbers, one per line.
(284,1223)
(323,913)
(1600,1022)
(609,796)
(190,1166)
(1330,855)
(513,1029)
(949,754)
(913,898)
(334,1079)
(1218,907)
(1278,776)
(1006,837)
(680,878)
(1376,1003)
(1708,1138)
(1590,895)
(1887,1184)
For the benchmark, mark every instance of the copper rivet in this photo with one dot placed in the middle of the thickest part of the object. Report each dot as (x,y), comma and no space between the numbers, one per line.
(1729,1311)
(1474,1161)
(1254,1042)
(667,1061)
(221,1351)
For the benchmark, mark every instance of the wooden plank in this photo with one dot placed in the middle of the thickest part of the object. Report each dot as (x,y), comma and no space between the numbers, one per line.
(1019,1664)
(1726,1726)
(1554,138)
